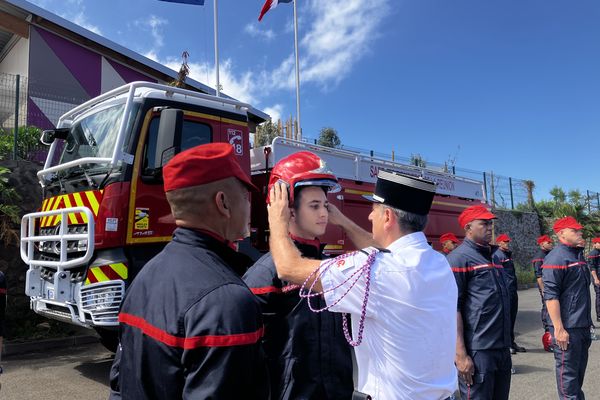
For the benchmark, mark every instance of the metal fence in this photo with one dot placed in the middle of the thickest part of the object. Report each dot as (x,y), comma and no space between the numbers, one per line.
(500,191)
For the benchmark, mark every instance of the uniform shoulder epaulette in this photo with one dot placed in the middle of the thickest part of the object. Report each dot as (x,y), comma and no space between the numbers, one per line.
(379,249)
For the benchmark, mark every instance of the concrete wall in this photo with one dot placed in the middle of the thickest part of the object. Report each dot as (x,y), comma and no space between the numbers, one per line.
(16,61)
(523,228)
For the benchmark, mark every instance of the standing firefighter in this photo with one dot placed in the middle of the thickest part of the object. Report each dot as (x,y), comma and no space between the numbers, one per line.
(190,327)
(567,294)
(401,297)
(545,244)
(594,263)
(449,241)
(308,356)
(503,256)
(483,342)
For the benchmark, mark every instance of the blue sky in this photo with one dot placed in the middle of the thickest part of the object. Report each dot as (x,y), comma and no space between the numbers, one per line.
(510,86)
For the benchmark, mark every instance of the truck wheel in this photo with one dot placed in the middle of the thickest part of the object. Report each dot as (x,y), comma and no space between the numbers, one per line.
(109,338)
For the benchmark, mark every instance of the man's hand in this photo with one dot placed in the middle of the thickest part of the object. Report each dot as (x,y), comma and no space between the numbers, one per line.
(335,216)
(279,209)
(562,338)
(465,367)
(597,282)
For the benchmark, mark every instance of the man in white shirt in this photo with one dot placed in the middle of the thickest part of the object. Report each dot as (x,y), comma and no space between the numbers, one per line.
(402,296)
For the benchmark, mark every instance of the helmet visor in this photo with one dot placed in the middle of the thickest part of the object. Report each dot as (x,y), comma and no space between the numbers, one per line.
(331,185)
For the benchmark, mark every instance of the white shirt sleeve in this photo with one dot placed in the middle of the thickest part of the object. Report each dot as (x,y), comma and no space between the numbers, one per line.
(340,294)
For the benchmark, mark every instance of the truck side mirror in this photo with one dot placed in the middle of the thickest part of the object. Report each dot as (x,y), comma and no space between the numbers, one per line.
(51,135)
(169,136)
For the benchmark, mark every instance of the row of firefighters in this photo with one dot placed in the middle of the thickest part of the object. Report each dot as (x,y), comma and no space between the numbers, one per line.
(395,320)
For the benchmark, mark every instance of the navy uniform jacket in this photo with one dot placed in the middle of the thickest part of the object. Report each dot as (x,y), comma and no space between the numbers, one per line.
(566,278)
(593,260)
(537,262)
(483,297)
(504,258)
(190,327)
(308,355)
(2,303)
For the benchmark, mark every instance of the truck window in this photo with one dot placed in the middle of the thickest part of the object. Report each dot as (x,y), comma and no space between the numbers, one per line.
(194,133)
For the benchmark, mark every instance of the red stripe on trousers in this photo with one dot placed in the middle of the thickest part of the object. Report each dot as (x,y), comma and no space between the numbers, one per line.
(156,333)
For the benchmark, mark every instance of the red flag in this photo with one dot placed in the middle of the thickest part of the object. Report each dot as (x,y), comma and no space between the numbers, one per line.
(269,5)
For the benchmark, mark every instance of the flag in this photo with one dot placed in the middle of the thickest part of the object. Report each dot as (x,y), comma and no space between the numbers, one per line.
(269,5)
(195,2)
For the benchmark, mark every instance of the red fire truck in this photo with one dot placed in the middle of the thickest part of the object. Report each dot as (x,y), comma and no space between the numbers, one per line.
(104,213)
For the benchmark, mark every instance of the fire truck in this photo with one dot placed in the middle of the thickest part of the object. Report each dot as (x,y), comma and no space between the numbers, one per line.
(104,213)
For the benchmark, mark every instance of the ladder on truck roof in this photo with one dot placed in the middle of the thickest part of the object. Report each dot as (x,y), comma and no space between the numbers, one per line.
(361,167)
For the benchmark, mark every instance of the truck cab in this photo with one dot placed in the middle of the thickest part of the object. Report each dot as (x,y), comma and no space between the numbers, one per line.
(104,211)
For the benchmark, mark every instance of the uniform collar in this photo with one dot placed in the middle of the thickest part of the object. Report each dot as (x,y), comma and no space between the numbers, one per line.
(309,248)
(480,248)
(215,243)
(411,239)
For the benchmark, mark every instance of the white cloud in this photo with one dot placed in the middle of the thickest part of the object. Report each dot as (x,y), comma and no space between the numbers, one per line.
(154,25)
(253,30)
(275,111)
(76,13)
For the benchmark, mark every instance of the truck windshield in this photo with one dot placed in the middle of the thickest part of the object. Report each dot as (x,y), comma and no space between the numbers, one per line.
(93,136)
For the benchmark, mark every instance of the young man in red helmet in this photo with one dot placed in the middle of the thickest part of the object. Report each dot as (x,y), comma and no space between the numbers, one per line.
(308,356)
(545,244)
(503,256)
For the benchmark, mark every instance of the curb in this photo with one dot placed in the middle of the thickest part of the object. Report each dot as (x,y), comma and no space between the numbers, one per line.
(525,286)
(11,349)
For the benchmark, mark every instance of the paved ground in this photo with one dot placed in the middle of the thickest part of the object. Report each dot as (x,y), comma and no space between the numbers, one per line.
(81,372)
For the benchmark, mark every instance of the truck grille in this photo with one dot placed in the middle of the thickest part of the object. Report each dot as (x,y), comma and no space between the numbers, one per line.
(50,250)
(102,300)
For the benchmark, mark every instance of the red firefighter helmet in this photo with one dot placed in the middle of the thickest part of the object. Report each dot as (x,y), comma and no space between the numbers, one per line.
(302,169)
(547,341)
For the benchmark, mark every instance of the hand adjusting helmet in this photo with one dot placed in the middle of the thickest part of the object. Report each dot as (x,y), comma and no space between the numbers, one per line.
(302,169)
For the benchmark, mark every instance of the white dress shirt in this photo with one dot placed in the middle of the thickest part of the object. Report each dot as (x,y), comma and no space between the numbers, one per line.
(409,338)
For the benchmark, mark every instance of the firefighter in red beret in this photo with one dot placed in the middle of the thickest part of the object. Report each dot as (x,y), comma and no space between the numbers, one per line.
(307,355)
(503,256)
(545,244)
(483,331)
(449,241)
(189,326)
(567,294)
(593,260)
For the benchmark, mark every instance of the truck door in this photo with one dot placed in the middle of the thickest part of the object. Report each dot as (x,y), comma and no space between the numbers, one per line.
(149,218)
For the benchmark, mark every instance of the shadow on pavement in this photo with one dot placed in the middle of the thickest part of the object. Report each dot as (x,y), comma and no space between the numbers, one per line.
(98,370)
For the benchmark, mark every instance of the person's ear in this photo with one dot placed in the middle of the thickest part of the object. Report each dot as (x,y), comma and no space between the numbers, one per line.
(223,204)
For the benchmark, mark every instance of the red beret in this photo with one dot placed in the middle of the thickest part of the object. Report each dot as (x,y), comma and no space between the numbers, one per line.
(448,236)
(566,222)
(596,240)
(544,238)
(503,238)
(472,213)
(203,164)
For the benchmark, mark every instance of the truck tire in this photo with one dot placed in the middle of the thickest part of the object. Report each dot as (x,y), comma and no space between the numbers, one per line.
(109,338)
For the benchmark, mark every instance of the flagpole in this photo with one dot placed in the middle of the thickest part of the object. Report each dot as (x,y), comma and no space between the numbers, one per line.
(218,85)
(299,133)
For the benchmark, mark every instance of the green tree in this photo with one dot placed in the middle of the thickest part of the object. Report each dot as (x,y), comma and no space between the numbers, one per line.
(28,139)
(9,211)
(418,160)
(329,137)
(265,133)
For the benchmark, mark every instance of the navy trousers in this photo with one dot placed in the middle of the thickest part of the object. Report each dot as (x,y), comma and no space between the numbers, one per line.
(571,363)
(491,380)
(514,307)
(597,290)
(545,317)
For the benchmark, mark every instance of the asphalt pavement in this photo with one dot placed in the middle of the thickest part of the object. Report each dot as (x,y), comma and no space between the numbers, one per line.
(81,372)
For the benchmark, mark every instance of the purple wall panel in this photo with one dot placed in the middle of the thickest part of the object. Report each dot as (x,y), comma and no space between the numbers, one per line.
(35,116)
(128,74)
(83,64)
